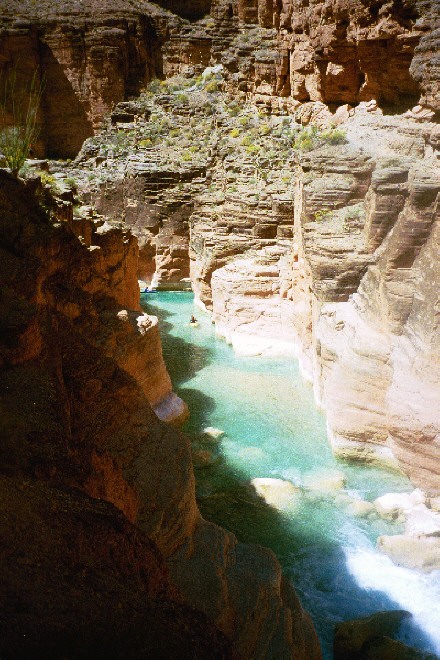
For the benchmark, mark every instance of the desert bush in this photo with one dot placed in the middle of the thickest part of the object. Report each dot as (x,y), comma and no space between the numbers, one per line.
(310,138)
(323,214)
(333,136)
(212,86)
(19,109)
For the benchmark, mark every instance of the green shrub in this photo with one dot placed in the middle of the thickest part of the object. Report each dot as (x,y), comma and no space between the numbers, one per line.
(233,110)
(323,214)
(70,181)
(211,86)
(253,149)
(310,138)
(19,107)
(155,86)
(234,133)
(264,129)
(333,136)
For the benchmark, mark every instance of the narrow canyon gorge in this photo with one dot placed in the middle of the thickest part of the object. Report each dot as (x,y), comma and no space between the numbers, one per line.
(271,166)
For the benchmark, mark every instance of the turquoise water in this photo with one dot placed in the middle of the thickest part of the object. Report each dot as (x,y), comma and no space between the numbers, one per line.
(273,429)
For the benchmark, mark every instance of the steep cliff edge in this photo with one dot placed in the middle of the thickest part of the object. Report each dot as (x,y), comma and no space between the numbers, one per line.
(79,380)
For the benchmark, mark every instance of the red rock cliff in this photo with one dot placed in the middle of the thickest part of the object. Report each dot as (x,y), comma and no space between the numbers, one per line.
(78,426)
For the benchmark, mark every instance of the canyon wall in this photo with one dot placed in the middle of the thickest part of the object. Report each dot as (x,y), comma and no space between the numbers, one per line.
(105,487)
(92,56)
(284,231)
(88,58)
(296,245)
(357,293)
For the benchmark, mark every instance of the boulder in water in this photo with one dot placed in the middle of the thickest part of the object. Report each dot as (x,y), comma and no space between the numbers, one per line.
(412,552)
(393,505)
(324,481)
(385,648)
(352,637)
(275,492)
(361,508)
(213,433)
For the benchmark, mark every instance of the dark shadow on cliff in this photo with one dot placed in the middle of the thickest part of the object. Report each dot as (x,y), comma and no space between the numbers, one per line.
(183,358)
(66,124)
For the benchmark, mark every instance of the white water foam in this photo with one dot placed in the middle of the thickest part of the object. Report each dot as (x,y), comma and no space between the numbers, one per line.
(419,593)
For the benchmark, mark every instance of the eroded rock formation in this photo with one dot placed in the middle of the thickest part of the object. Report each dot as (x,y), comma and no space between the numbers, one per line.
(89,56)
(98,54)
(322,243)
(300,240)
(82,371)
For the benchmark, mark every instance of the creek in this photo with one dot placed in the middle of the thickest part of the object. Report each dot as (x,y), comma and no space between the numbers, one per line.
(272,428)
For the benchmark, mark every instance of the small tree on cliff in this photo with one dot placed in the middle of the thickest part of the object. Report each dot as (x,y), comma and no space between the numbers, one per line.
(18,117)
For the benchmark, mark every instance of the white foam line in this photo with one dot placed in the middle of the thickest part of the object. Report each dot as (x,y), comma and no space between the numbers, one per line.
(419,593)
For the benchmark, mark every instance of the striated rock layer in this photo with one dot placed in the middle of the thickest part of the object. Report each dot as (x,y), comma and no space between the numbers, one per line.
(79,378)
(357,295)
(94,55)
(306,240)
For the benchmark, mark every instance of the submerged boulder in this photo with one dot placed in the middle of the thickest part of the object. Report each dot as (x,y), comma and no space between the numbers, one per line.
(352,637)
(325,481)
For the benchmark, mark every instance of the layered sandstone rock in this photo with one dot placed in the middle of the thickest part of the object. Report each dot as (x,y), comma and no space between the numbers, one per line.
(89,56)
(324,258)
(82,429)
(330,52)
(97,54)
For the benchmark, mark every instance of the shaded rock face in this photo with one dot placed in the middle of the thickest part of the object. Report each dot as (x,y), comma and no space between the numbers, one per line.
(108,591)
(150,201)
(372,637)
(82,429)
(88,59)
(191,10)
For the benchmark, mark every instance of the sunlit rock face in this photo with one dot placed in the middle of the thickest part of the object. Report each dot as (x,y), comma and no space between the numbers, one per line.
(352,291)
(339,52)
(94,55)
(372,346)
(296,245)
